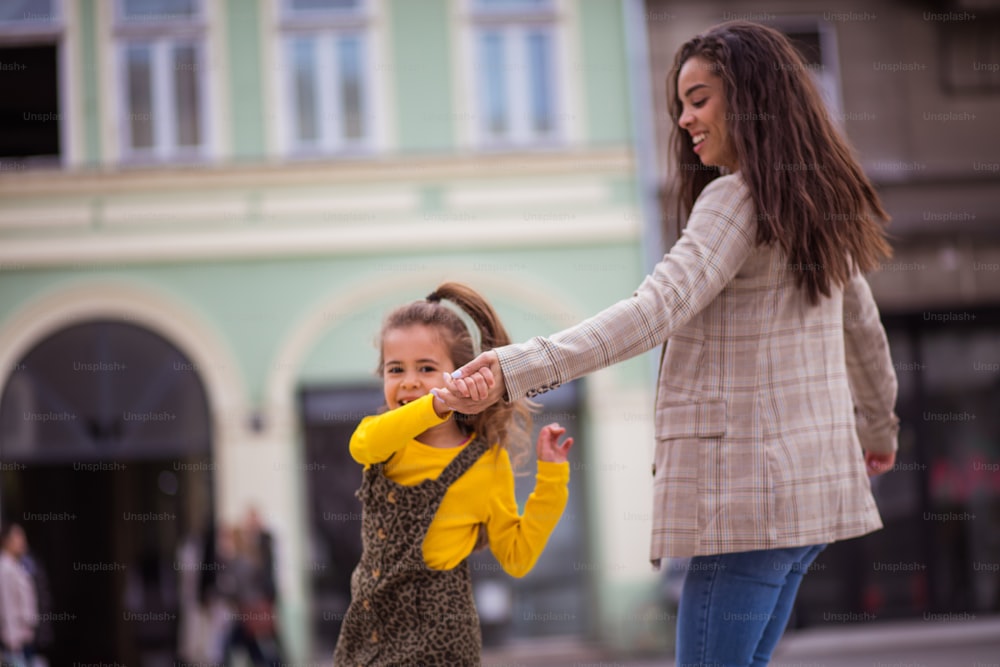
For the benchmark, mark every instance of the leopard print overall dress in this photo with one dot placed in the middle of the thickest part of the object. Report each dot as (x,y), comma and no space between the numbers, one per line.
(401,611)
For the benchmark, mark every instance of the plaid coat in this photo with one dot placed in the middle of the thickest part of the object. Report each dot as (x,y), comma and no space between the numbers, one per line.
(764,403)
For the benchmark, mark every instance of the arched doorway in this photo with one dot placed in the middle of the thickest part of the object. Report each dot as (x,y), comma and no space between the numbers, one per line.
(105,437)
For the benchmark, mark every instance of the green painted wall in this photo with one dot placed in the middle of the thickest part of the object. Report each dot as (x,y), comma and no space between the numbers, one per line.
(245,92)
(256,305)
(90,85)
(605,74)
(421,74)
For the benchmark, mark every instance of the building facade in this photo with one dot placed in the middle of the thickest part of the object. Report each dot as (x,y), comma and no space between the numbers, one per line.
(205,208)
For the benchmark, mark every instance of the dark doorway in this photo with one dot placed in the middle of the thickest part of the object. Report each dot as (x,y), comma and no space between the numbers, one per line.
(556,597)
(334,514)
(105,440)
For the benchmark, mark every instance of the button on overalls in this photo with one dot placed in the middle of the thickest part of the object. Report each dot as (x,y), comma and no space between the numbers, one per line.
(402,612)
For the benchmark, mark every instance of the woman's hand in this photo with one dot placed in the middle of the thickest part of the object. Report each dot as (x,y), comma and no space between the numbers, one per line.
(473,387)
(879,463)
(549,448)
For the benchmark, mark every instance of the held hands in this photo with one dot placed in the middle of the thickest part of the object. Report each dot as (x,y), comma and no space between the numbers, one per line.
(549,448)
(473,387)
(876,464)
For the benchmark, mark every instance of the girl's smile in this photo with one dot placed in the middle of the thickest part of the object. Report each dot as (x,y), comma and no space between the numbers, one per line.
(416,358)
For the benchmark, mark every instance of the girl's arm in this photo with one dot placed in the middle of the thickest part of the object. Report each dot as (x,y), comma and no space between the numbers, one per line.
(379,437)
(518,540)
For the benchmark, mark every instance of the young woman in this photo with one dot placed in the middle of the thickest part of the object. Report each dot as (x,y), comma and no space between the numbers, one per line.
(776,390)
(436,484)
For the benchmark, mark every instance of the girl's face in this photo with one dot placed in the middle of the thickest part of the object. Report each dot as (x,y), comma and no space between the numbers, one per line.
(703,113)
(415,359)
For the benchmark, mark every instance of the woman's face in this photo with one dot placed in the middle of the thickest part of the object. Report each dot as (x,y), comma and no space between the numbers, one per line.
(703,113)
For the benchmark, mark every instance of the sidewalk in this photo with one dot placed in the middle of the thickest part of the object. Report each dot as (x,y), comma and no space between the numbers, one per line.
(914,643)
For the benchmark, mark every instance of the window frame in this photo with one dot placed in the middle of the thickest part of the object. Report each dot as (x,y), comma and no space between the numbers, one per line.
(162,37)
(827,79)
(516,24)
(326,29)
(36,28)
(54,33)
(958,38)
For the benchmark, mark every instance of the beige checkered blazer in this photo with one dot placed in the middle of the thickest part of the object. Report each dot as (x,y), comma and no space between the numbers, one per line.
(764,402)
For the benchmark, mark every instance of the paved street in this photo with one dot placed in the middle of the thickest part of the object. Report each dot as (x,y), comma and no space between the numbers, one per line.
(972,643)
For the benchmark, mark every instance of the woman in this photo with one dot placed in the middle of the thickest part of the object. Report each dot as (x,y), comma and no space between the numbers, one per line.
(776,387)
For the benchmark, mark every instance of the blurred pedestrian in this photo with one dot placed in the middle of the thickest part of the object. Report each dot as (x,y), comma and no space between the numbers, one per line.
(44,631)
(776,392)
(252,592)
(260,543)
(18,599)
(215,590)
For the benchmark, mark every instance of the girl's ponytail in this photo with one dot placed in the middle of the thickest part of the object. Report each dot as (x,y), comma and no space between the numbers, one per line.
(507,424)
(492,332)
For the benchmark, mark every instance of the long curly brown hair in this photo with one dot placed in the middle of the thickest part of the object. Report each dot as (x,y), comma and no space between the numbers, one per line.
(810,193)
(505,424)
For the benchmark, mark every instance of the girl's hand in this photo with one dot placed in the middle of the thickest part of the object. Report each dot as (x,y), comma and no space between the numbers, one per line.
(879,463)
(549,448)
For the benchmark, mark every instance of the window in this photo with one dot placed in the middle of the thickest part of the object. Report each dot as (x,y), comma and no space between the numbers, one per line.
(25,13)
(31,121)
(515,55)
(816,43)
(163,66)
(970,51)
(327,81)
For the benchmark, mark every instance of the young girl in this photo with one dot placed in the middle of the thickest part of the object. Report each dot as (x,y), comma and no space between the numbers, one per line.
(434,483)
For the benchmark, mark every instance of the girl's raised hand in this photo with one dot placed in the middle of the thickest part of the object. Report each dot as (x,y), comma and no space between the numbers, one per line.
(549,447)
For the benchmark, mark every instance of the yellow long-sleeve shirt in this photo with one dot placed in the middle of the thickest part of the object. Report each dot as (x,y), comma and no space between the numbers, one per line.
(484,494)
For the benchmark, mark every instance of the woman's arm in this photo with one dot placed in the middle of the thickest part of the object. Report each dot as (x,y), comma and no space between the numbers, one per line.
(869,370)
(720,235)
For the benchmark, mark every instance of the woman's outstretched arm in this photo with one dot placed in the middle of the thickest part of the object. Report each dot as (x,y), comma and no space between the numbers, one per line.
(719,237)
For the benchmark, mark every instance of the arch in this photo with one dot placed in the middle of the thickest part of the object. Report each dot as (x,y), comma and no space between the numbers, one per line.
(112,494)
(118,386)
(143,306)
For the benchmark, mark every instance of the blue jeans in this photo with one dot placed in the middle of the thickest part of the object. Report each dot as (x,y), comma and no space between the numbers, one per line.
(734,607)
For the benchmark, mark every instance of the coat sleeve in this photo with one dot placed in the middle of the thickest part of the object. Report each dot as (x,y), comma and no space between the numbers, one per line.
(379,437)
(719,237)
(869,369)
